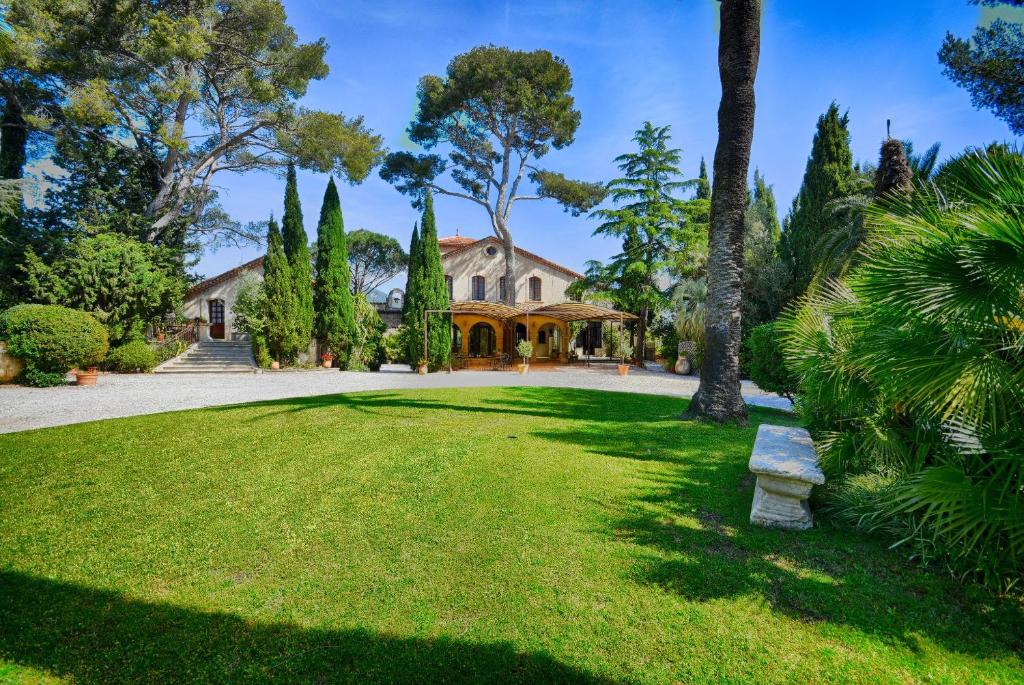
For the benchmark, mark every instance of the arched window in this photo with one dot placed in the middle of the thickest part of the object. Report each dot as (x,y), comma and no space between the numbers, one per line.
(479,288)
(535,289)
(450,284)
(482,340)
(502,292)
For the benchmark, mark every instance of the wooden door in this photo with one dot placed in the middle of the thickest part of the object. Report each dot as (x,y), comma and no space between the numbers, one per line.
(217,319)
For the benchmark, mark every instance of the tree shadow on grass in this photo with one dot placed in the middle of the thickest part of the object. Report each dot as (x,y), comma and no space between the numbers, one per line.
(96,636)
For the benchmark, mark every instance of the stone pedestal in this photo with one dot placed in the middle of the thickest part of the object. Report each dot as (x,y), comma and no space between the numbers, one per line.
(781,503)
(786,466)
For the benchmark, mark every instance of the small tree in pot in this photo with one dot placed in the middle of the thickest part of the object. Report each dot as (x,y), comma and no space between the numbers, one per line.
(524,348)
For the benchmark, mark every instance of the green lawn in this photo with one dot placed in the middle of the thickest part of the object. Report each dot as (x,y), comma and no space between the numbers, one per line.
(485,535)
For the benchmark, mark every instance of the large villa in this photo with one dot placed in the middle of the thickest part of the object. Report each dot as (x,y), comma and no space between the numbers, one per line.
(484,329)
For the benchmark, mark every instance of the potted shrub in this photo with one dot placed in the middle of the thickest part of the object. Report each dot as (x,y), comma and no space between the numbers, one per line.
(327,358)
(525,350)
(51,339)
(626,350)
(421,368)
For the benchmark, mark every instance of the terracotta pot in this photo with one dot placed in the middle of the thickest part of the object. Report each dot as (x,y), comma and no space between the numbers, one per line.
(275,365)
(523,368)
(422,369)
(623,369)
(87,377)
(327,363)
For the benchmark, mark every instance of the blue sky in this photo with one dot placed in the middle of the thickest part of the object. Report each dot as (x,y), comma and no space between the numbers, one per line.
(631,61)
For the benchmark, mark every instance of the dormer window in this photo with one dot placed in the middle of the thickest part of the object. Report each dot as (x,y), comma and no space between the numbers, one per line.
(479,288)
(535,289)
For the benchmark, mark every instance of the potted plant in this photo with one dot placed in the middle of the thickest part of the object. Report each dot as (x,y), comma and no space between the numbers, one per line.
(327,358)
(524,348)
(626,350)
(421,368)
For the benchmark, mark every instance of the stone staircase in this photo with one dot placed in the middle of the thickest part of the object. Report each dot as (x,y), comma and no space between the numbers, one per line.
(212,356)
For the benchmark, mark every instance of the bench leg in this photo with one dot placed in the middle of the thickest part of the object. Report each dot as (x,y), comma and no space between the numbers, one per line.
(781,503)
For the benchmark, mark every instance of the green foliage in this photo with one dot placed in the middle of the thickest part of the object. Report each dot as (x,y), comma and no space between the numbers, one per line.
(912,364)
(280,294)
(134,356)
(53,339)
(434,291)
(412,306)
(194,88)
(990,66)
(829,176)
(394,347)
(296,249)
(125,283)
(334,322)
(767,364)
(368,344)
(703,187)
(374,259)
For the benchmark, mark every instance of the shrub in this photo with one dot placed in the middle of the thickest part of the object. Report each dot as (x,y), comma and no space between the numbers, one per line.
(767,363)
(912,365)
(132,357)
(52,339)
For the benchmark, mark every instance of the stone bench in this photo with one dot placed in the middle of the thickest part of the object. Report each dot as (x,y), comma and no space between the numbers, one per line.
(786,466)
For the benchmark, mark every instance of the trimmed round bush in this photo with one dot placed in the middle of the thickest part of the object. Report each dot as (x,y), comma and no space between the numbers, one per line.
(766,363)
(52,339)
(133,357)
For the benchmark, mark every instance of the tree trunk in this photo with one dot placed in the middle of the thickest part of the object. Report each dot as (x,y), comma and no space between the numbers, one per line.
(510,269)
(641,338)
(719,397)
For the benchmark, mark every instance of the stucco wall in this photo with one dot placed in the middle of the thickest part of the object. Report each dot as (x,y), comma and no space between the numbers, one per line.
(476,262)
(197,306)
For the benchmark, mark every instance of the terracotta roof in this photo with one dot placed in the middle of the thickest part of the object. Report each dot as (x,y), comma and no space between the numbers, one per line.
(454,241)
(519,251)
(226,276)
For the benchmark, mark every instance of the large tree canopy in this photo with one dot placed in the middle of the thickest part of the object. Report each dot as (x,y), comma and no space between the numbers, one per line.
(498,110)
(991,66)
(196,88)
(374,259)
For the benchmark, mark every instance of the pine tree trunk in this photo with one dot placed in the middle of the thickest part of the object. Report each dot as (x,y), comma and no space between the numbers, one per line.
(641,338)
(719,397)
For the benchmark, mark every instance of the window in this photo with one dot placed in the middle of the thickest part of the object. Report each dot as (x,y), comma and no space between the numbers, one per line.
(479,288)
(502,290)
(449,283)
(534,288)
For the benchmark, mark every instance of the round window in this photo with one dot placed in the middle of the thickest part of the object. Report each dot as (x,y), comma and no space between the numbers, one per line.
(491,250)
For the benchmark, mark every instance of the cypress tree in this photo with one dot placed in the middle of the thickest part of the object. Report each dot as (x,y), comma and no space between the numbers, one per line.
(296,248)
(434,290)
(893,174)
(277,280)
(412,307)
(703,184)
(829,176)
(334,320)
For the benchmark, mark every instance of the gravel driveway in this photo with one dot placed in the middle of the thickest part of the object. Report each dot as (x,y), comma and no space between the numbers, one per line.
(128,395)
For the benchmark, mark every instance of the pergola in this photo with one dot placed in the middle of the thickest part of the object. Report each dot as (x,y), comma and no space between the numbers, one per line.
(564,311)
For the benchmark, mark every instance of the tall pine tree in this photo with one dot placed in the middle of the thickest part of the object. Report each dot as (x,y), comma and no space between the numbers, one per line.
(703,184)
(829,176)
(412,307)
(296,248)
(334,320)
(434,290)
(277,280)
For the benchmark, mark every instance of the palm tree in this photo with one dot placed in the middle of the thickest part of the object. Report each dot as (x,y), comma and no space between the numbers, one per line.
(718,398)
(912,366)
